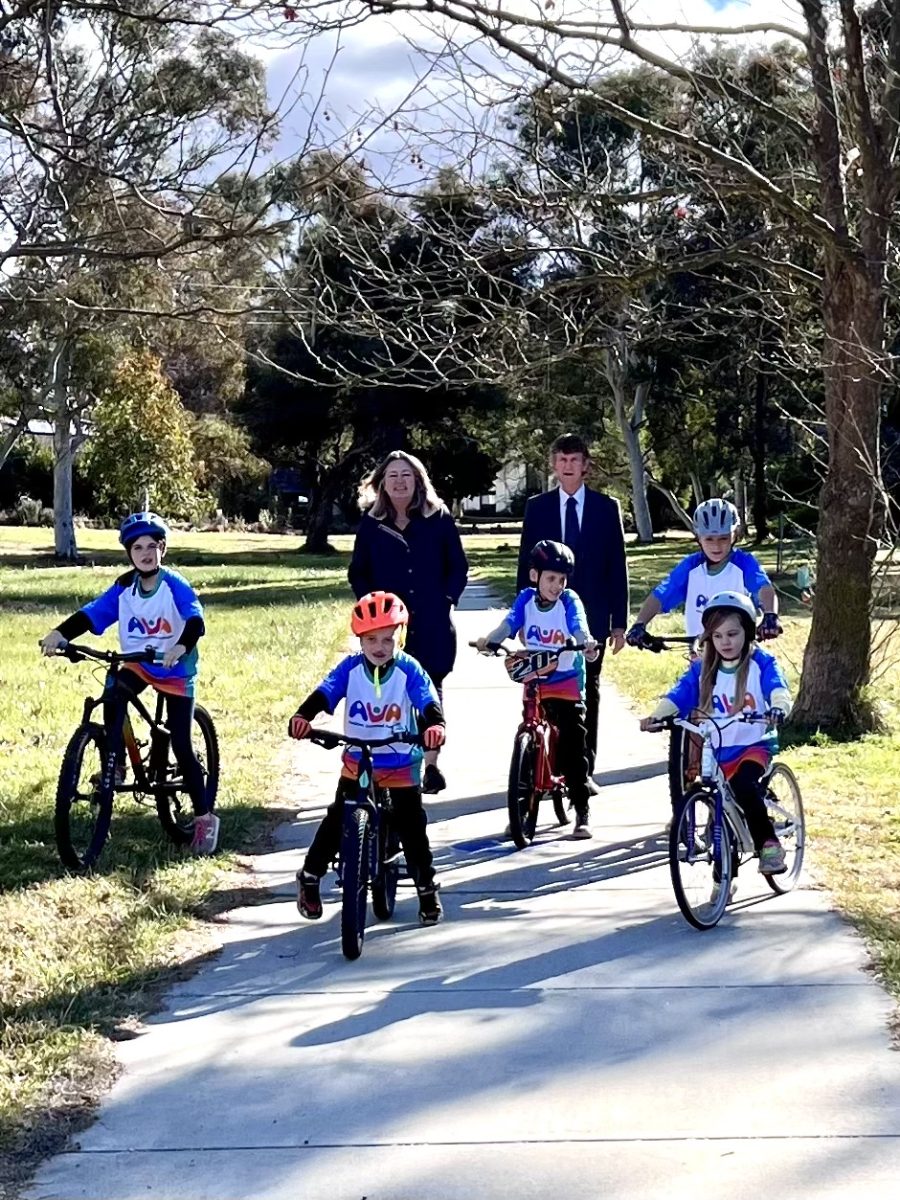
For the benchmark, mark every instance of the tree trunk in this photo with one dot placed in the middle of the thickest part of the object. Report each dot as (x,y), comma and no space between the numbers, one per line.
(319,521)
(638,472)
(760,492)
(63,454)
(836,661)
(12,436)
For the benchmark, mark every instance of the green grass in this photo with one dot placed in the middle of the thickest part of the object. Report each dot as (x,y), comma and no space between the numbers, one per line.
(848,787)
(80,956)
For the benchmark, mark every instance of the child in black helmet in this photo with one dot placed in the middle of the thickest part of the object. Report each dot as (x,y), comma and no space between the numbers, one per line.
(544,617)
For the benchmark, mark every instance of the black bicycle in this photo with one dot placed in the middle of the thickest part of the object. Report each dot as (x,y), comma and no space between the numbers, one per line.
(370,852)
(684,752)
(92,768)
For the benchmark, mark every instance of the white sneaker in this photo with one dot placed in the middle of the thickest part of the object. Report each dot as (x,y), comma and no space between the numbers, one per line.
(206,834)
(582,831)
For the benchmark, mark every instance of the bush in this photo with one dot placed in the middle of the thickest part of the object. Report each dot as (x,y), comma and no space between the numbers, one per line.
(28,511)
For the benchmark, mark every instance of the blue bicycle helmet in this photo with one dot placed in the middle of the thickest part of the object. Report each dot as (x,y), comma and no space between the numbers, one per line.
(142,524)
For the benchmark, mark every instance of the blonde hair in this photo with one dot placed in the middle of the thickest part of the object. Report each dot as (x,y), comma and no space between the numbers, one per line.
(373,495)
(710,665)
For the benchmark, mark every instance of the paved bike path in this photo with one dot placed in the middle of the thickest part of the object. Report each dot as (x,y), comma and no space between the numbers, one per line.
(563,1031)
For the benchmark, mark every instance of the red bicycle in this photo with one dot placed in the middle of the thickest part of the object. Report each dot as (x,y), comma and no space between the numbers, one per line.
(532,772)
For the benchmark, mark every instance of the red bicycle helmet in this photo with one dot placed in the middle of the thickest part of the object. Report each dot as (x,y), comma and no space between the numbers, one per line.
(378,610)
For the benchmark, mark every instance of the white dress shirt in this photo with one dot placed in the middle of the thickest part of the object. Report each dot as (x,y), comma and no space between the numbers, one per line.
(579,509)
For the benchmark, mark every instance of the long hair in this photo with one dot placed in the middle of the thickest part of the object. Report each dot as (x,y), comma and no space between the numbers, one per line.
(374,497)
(710,664)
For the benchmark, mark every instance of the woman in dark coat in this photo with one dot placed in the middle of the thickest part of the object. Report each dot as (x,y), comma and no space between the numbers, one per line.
(408,543)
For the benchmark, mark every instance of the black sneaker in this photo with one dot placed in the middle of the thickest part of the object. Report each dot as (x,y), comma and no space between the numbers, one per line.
(309,901)
(430,911)
(433,781)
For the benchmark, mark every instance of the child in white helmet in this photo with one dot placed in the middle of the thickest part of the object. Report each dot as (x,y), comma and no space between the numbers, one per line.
(718,566)
(733,674)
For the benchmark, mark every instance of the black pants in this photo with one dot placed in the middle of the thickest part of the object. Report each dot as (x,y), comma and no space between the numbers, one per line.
(750,795)
(592,704)
(571,757)
(407,817)
(179,719)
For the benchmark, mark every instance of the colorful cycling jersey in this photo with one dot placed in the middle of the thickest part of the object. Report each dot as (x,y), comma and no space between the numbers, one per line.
(763,678)
(154,619)
(693,581)
(369,712)
(547,627)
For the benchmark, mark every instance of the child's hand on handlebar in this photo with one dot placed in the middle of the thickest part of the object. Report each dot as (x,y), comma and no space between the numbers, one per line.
(650,724)
(172,655)
(591,650)
(299,727)
(51,642)
(433,737)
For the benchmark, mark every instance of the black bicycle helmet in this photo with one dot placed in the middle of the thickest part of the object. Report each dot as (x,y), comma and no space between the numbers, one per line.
(552,556)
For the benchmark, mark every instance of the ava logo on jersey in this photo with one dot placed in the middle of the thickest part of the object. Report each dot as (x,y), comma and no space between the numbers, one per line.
(723,708)
(149,628)
(371,714)
(702,602)
(546,637)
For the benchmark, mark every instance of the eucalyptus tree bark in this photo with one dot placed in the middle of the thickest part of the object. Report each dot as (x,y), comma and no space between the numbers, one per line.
(63,452)
(630,418)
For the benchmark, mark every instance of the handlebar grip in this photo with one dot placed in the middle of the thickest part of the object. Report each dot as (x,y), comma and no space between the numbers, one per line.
(324,737)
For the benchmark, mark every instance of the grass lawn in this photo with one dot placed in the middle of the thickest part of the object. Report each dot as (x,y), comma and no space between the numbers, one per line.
(849,788)
(80,956)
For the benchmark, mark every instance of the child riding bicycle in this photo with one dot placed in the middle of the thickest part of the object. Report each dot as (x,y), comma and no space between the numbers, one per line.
(383,690)
(733,674)
(718,566)
(545,617)
(154,607)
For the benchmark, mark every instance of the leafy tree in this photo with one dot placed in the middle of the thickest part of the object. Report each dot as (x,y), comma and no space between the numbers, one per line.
(141,442)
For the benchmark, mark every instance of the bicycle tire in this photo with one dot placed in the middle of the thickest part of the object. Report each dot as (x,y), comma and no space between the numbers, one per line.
(173,806)
(783,786)
(701,881)
(560,807)
(354,880)
(521,797)
(384,884)
(80,837)
(678,761)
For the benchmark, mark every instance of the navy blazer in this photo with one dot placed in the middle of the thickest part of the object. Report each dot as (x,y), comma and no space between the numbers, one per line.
(601,575)
(426,567)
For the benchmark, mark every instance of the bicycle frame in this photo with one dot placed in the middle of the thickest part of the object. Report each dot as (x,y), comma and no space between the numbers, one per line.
(144,773)
(536,722)
(377,808)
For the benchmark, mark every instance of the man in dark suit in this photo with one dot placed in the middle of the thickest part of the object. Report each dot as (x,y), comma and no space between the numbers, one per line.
(591,524)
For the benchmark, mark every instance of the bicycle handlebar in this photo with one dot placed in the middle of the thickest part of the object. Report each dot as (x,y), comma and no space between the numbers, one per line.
(656,643)
(492,649)
(77,653)
(751,718)
(330,739)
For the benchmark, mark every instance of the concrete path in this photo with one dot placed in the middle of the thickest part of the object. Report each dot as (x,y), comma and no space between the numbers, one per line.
(563,1032)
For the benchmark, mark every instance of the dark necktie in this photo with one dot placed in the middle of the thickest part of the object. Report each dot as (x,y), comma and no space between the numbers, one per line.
(570,536)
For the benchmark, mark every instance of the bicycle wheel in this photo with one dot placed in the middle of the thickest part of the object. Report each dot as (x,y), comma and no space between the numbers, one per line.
(701,878)
(354,878)
(83,811)
(173,804)
(560,807)
(785,808)
(679,759)
(384,884)
(521,797)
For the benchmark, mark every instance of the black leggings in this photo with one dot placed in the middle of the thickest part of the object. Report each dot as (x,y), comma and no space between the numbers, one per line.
(750,796)
(179,718)
(407,817)
(571,754)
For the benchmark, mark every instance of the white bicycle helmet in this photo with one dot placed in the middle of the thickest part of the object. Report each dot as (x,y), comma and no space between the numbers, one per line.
(736,602)
(715,518)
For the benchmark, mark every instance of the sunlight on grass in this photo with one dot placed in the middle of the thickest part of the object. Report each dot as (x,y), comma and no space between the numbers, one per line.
(77,956)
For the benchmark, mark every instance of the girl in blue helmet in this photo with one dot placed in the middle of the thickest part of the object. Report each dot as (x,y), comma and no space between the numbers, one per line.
(153,607)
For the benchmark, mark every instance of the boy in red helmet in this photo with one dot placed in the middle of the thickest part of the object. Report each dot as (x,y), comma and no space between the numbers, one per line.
(378,682)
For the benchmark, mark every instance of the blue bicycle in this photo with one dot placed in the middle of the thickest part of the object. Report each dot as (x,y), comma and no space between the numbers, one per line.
(370,852)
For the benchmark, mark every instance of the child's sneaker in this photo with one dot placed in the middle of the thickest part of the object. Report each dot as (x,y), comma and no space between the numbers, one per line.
(206,834)
(309,900)
(430,911)
(771,859)
(582,830)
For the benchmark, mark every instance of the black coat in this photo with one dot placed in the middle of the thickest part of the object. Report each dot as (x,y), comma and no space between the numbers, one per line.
(426,567)
(601,576)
